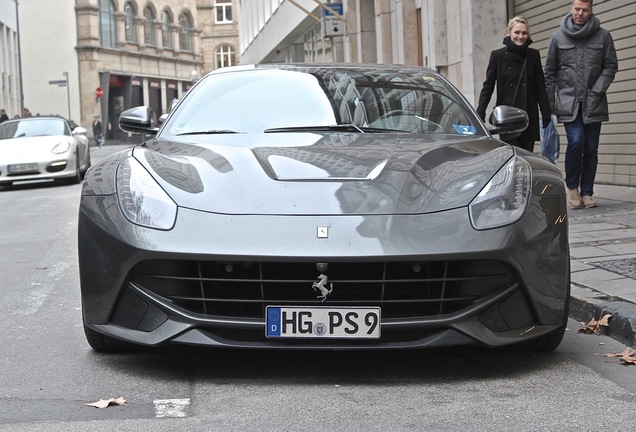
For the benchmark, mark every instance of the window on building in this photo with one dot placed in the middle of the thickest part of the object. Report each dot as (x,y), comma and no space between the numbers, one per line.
(223,11)
(107,24)
(166,29)
(224,56)
(150,36)
(185,33)
(130,22)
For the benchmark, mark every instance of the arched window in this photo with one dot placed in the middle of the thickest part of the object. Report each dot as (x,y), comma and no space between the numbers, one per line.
(166,29)
(224,56)
(185,32)
(130,22)
(107,24)
(150,36)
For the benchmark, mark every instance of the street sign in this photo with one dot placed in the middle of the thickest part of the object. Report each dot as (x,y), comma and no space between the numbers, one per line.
(332,24)
(59,83)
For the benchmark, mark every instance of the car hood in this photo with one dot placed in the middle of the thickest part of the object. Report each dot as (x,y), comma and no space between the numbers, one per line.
(323,174)
(27,147)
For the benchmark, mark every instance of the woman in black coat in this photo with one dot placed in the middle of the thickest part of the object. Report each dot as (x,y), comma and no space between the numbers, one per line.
(504,69)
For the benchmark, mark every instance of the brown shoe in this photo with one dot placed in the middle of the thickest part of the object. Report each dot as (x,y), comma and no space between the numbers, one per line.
(574,199)
(588,201)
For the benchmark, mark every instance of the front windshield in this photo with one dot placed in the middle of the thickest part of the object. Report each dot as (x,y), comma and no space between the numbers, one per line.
(260,100)
(33,127)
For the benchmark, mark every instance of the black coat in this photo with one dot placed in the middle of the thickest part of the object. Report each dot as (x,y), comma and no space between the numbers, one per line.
(504,68)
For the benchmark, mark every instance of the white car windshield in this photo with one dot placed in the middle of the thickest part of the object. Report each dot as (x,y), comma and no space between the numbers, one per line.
(32,127)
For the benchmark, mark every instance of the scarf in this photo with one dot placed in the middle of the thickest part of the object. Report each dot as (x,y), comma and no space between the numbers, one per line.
(517,49)
(576,31)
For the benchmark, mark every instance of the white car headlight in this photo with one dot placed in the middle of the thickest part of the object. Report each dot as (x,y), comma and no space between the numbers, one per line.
(141,199)
(61,147)
(504,199)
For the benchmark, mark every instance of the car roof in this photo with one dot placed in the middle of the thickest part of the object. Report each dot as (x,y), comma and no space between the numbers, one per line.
(362,67)
(34,118)
(39,117)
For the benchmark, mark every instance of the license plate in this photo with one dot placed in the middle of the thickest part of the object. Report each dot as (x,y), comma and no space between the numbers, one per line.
(22,168)
(323,322)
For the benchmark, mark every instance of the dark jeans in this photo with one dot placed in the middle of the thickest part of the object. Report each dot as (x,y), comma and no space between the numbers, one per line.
(581,156)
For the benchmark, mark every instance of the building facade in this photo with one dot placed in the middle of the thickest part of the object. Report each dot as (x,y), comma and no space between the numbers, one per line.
(10,93)
(454,37)
(117,54)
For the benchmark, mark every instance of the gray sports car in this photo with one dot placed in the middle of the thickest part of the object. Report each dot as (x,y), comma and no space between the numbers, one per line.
(324,207)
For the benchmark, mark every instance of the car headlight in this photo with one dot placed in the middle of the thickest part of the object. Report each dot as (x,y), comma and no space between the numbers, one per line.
(504,199)
(61,147)
(141,199)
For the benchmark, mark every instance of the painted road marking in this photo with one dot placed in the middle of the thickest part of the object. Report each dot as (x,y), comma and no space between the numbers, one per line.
(171,407)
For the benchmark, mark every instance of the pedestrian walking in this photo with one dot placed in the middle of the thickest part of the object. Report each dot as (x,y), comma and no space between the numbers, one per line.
(97,131)
(3,115)
(580,66)
(517,71)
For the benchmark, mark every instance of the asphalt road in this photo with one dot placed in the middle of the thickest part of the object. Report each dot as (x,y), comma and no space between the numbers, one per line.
(48,373)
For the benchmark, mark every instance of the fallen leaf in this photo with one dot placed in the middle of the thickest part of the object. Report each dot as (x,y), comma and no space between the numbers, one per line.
(629,360)
(605,320)
(594,326)
(627,356)
(104,403)
(627,352)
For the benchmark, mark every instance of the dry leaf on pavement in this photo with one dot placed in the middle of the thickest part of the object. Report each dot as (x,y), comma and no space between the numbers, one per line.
(594,326)
(104,403)
(628,356)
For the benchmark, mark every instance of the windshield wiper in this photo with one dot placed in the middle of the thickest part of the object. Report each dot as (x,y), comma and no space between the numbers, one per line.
(210,132)
(349,127)
(340,127)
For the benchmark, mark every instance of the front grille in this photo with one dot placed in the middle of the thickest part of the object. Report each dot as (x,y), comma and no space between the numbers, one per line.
(401,289)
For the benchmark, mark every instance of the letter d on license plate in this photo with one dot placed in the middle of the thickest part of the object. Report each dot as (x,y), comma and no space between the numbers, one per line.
(323,322)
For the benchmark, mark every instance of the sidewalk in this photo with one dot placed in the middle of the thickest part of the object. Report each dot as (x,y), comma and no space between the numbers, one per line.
(603,260)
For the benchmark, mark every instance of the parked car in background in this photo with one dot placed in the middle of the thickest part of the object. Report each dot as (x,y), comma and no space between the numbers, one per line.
(42,148)
(324,207)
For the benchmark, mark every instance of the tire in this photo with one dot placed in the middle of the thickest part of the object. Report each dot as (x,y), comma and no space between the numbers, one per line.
(79,176)
(107,344)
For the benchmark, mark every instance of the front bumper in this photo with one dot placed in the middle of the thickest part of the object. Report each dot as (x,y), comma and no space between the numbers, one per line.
(505,285)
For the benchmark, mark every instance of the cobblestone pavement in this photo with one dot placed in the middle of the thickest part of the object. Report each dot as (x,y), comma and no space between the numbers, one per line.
(603,260)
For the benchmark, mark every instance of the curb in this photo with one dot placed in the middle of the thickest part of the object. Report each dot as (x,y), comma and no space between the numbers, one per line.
(587,303)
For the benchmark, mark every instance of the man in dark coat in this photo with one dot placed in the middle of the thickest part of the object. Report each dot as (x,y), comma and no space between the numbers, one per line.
(580,65)
(527,89)
(97,131)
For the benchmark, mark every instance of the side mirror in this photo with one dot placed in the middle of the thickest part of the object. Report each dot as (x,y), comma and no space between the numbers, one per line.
(138,120)
(79,131)
(508,119)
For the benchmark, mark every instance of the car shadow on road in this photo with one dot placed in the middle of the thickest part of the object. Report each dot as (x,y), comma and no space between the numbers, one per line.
(329,367)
